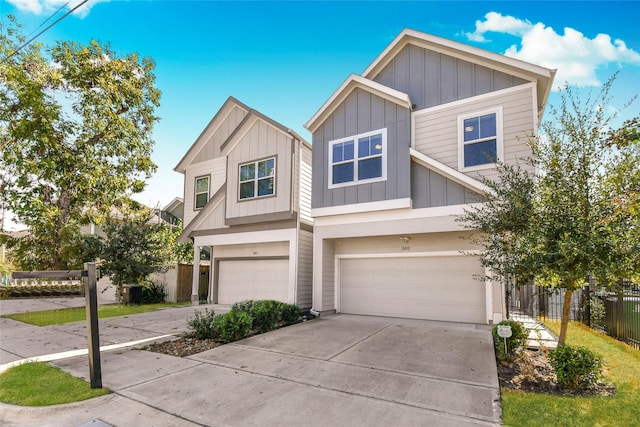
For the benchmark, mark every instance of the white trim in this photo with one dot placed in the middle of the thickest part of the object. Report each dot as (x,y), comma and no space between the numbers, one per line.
(352,82)
(392,215)
(362,207)
(355,139)
(448,172)
(499,138)
(478,98)
(244,238)
(488,297)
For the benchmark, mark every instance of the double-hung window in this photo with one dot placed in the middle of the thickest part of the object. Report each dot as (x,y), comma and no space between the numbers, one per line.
(480,140)
(257,179)
(201,195)
(358,159)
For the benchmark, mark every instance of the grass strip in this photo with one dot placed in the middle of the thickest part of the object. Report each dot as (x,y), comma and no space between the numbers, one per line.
(68,315)
(622,368)
(40,384)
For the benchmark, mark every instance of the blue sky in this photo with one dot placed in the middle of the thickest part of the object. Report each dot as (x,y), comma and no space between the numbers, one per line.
(286,58)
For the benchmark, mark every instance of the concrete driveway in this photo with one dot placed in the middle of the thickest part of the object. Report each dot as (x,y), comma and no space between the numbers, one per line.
(337,370)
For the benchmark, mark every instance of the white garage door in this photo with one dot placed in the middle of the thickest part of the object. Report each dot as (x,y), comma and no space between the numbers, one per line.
(253,279)
(436,288)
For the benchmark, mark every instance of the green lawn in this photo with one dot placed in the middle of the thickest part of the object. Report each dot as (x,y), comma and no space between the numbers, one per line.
(622,365)
(40,384)
(68,315)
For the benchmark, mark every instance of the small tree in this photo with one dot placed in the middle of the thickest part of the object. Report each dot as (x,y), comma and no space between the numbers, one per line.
(133,248)
(561,225)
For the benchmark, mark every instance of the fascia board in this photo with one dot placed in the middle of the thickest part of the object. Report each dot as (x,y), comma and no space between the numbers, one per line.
(449,172)
(352,82)
(222,113)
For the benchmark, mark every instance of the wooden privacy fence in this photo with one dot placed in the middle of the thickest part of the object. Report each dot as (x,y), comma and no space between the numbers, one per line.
(88,275)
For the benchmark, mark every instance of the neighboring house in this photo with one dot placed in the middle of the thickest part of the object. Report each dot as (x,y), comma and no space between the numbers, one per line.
(397,156)
(247,199)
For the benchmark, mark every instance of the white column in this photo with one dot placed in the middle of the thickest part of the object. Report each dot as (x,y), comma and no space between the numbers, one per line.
(196,275)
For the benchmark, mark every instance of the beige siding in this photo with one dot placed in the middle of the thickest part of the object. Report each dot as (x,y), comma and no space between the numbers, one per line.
(305,186)
(436,132)
(215,169)
(432,242)
(305,268)
(218,135)
(328,275)
(261,141)
(214,220)
(251,250)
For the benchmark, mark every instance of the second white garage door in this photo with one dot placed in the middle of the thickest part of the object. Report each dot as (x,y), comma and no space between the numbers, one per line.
(436,288)
(240,280)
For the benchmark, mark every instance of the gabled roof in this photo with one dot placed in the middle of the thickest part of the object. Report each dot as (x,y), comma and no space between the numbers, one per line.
(201,140)
(249,119)
(177,201)
(351,83)
(541,75)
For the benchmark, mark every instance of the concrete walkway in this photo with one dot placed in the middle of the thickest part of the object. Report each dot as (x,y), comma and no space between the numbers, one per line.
(337,370)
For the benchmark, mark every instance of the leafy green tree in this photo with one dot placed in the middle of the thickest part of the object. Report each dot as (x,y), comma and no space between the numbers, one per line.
(75,139)
(132,248)
(564,223)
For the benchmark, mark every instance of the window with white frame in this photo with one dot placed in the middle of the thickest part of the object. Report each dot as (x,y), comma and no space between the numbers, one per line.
(358,159)
(257,179)
(201,196)
(480,139)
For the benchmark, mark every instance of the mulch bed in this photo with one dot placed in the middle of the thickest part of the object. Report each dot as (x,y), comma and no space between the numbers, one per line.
(531,372)
(183,346)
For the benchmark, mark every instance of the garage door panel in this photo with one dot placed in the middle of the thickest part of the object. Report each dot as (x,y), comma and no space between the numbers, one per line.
(240,280)
(438,288)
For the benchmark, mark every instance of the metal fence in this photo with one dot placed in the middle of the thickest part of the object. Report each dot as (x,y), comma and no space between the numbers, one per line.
(616,314)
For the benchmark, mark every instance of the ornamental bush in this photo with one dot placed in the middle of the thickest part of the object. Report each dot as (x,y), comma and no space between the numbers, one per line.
(576,367)
(201,325)
(515,342)
(232,326)
(289,313)
(265,315)
(153,293)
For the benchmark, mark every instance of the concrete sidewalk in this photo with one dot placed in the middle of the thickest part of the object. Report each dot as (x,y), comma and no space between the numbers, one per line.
(339,370)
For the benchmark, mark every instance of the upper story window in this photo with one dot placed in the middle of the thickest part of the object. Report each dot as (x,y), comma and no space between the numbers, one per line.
(201,192)
(480,140)
(358,159)
(257,179)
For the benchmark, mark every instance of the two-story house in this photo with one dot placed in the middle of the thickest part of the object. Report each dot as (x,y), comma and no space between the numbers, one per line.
(397,156)
(247,200)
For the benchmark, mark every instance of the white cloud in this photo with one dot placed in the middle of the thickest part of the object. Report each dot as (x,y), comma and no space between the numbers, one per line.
(39,7)
(576,56)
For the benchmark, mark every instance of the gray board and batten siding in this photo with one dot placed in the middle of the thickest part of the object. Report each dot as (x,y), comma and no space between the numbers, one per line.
(432,78)
(430,189)
(362,112)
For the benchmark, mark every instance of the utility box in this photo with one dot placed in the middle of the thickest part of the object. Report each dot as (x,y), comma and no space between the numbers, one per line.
(131,294)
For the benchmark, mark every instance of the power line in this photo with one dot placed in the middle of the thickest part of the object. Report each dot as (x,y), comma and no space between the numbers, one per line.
(52,15)
(41,32)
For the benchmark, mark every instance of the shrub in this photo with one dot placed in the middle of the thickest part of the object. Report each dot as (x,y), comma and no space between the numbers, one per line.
(517,339)
(232,326)
(576,367)
(265,315)
(597,310)
(153,293)
(289,313)
(244,306)
(201,326)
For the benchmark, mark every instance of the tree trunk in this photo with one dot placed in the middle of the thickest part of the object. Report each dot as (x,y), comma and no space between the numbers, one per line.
(564,322)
